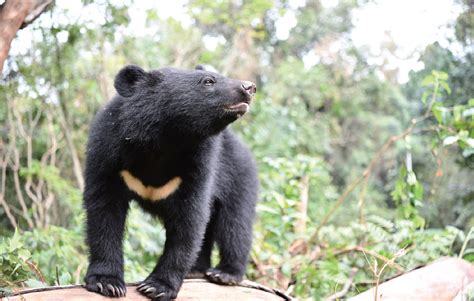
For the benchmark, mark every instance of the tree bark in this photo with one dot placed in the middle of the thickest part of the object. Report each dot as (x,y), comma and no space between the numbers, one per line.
(14,15)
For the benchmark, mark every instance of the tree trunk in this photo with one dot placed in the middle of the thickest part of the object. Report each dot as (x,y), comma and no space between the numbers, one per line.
(14,15)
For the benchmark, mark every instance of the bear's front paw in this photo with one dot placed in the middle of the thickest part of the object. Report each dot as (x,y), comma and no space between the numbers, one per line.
(109,286)
(157,290)
(220,277)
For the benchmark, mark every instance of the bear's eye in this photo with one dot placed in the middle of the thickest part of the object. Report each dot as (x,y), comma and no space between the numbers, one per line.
(208,82)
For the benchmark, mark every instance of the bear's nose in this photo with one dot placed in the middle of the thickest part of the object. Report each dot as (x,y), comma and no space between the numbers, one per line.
(249,87)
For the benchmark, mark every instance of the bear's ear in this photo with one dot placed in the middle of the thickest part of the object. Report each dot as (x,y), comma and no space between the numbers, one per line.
(206,67)
(200,67)
(128,78)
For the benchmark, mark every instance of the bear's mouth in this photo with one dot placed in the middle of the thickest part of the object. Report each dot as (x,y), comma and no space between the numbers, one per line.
(240,107)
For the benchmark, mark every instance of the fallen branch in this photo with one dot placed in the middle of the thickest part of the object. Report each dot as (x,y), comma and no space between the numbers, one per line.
(345,288)
(386,260)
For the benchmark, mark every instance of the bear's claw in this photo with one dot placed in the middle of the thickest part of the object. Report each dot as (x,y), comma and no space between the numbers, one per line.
(106,285)
(220,277)
(156,290)
(150,290)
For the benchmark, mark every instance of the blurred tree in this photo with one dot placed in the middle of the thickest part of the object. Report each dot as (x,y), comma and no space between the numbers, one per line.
(464,28)
(449,167)
(15,15)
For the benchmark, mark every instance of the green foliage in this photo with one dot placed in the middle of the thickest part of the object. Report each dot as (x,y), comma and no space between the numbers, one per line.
(385,238)
(281,181)
(58,252)
(14,262)
(71,195)
(408,194)
(218,13)
(456,125)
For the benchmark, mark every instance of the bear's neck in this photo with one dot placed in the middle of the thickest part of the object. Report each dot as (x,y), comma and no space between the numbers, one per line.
(174,143)
(182,143)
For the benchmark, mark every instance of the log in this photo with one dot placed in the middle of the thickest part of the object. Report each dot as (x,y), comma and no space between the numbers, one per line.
(192,289)
(441,280)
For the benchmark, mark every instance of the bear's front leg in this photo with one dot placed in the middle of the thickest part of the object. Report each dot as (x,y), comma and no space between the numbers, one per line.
(106,207)
(184,233)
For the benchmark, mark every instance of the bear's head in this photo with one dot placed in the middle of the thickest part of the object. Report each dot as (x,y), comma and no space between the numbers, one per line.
(170,101)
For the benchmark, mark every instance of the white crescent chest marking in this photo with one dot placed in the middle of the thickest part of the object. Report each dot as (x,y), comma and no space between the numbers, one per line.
(150,193)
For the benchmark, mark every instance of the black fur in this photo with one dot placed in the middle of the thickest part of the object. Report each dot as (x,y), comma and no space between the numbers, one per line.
(163,124)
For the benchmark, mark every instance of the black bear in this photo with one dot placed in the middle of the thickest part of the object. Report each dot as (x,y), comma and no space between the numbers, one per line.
(163,141)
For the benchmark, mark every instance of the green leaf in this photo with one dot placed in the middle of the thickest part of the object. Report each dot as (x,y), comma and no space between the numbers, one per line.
(419,221)
(468,112)
(418,191)
(17,266)
(468,152)
(24,254)
(468,251)
(441,75)
(411,178)
(33,283)
(441,113)
(267,209)
(457,110)
(428,80)
(463,134)
(424,96)
(65,278)
(445,86)
(469,141)
(14,242)
(450,140)
(471,102)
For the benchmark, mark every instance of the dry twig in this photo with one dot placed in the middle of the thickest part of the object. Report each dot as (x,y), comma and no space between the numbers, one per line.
(345,288)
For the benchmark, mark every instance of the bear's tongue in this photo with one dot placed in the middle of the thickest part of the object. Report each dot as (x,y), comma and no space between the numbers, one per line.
(241,106)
